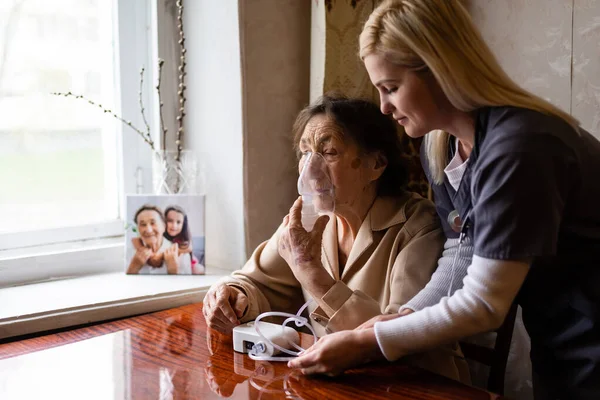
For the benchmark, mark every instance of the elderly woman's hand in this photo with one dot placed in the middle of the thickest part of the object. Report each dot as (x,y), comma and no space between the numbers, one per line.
(140,258)
(156,260)
(302,251)
(223,306)
(337,352)
(172,259)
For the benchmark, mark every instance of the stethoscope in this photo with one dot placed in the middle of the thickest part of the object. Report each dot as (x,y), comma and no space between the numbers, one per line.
(461,226)
(458,225)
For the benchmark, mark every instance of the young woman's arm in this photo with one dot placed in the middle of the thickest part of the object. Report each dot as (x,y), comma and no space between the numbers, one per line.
(448,276)
(480,306)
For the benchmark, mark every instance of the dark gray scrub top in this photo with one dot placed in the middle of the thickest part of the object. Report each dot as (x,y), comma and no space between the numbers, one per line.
(531,191)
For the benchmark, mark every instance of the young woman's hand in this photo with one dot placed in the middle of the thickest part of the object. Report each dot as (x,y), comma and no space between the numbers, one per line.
(172,259)
(223,306)
(337,352)
(302,251)
(385,317)
(140,258)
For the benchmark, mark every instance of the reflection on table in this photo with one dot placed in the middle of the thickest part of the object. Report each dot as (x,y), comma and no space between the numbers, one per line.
(173,355)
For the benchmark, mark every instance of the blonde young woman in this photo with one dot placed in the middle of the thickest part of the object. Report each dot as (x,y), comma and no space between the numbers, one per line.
(509,170)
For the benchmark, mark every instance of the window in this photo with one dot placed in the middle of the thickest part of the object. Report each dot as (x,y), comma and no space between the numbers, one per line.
(62,171)
(56,164)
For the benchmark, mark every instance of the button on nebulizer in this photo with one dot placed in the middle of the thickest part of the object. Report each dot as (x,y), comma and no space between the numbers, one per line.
(316,188)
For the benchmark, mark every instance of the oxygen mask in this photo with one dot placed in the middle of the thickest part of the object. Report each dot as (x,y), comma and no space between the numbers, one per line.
(316,188)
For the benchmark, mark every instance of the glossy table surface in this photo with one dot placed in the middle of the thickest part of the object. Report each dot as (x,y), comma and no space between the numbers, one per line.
(172,355)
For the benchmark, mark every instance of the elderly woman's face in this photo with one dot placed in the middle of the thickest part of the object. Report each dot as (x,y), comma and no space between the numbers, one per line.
(349,172)
(413,99)
(151,227)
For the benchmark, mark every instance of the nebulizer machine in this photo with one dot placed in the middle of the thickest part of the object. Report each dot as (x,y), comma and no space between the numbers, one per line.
(263,340)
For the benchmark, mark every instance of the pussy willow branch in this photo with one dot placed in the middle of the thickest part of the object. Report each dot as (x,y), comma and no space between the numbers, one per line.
(142,109)
(182,73)
(147,138)
(163,130)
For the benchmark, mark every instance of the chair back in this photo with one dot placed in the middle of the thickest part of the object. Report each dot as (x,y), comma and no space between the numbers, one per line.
(494,357)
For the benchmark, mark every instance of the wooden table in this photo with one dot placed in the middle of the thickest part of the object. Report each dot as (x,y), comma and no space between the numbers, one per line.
(172,355)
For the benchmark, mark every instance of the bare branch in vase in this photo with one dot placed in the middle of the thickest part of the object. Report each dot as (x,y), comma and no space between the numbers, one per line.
(181,88)
(147,138)
(142,109)
(163,130)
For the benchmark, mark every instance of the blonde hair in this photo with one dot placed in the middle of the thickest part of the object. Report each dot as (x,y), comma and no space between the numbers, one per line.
(439,36)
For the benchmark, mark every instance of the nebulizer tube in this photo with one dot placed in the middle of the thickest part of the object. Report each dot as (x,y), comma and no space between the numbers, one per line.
(299,320)
(316,188)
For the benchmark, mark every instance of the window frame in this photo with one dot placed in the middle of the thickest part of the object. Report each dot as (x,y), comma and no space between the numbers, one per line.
(42,237)
(64,252)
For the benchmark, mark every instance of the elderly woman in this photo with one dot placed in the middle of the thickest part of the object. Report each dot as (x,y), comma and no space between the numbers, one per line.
(377,250)
(515,178)
(157,255)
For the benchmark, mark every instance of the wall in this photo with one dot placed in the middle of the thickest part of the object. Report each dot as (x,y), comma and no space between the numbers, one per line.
(585,89)
(318,30)
(550,47)
(214,123)
(243,136)
(275,48)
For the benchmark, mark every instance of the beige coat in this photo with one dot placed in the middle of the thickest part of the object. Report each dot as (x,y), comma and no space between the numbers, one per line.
(392,259)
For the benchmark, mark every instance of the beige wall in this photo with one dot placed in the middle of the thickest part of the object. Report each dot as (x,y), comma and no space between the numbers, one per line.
(275,50)
(550,47)
(585,93)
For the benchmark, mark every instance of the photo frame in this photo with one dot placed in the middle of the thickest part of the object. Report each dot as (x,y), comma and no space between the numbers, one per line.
(165,235)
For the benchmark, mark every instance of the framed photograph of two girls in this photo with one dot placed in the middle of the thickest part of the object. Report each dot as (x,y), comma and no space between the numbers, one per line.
(165,234)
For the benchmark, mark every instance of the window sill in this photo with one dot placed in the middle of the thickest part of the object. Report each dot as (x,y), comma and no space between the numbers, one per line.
(52,305)
(59,261)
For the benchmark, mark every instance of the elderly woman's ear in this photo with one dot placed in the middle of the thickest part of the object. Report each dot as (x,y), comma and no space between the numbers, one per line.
(377,165)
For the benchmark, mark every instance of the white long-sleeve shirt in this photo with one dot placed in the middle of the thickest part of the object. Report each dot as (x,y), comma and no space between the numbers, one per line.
(480,306)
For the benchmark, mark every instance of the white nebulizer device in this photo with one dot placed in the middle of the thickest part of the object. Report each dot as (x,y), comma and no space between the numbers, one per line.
(316,188)
(248,340)
(263,340)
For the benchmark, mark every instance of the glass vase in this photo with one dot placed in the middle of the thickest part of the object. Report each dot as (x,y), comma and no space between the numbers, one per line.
(173,175)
